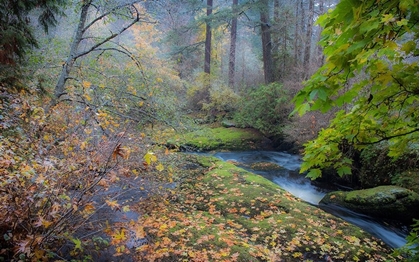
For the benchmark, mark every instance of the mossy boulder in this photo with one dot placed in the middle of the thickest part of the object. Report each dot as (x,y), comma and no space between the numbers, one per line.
(389,202)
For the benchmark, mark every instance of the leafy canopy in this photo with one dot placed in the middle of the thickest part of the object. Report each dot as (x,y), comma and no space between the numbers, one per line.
(371,74)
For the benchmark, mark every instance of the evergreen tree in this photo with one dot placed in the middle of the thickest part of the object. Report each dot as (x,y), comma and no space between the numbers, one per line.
(17,32)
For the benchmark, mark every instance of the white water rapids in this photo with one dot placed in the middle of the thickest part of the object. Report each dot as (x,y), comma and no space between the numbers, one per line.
(289,179)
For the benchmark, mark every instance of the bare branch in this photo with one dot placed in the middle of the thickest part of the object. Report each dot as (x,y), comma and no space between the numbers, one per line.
(108,13)
(92,48)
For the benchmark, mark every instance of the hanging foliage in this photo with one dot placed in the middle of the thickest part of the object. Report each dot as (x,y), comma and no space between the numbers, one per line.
(371,72)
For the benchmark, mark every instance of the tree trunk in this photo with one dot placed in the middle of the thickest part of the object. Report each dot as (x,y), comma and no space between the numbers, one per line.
(68,65)
(308,43)
(302,31)
(319,50)
(266,43)
(277,40)
(296,44)
(232,51)
(207,55)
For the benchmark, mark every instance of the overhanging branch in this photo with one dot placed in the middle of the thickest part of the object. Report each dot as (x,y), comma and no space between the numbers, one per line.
(387,138)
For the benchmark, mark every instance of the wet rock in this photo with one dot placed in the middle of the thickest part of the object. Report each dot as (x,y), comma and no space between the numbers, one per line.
(390,202)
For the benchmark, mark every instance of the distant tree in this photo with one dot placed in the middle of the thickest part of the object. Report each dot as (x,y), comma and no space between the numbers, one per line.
(232,50)
(207,53)
(308,39)
(266,42)
(297,45)
(371,71)
(180,30)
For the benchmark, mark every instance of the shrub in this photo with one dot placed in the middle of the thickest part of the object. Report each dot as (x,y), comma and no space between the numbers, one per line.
(222,101)
(198,93)
(265,108)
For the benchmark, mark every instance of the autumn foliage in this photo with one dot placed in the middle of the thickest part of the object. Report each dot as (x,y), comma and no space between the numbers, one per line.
(52,165)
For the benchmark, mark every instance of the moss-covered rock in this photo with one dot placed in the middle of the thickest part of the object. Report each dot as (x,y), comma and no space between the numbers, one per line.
(390,202)
(228,214)
(221,138)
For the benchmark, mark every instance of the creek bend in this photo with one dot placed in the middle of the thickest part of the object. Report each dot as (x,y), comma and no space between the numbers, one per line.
(290,180)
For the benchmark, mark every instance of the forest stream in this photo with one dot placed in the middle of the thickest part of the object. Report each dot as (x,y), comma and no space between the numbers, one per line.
(289,179)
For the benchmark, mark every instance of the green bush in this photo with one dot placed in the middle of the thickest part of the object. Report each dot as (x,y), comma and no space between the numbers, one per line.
(265,108)
(222,100)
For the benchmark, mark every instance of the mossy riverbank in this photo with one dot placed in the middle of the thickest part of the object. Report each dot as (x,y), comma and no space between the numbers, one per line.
(220,212)
(220,138)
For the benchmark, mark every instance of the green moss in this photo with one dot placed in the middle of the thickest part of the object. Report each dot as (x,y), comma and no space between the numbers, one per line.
(248,216)
(383,201)
(206,161)
(264,209)
(220,138)
(381,194)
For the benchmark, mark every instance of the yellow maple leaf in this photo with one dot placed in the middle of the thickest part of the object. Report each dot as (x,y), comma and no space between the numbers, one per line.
(113,204)
(88,98)
(39,254)
(297,254)
(163,227)
(118,236)
(42,222)
(86,84)
(150,157)
(126,208)
(77,244)
(83,145)
(160,167)
(89,208)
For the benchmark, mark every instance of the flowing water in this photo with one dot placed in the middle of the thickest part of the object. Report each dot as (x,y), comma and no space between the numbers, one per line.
(289,179)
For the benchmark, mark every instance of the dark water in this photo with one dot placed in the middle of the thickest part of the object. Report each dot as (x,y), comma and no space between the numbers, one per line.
(289,179)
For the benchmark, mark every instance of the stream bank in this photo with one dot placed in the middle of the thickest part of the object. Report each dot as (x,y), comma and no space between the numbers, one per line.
(391,231)
(221,212)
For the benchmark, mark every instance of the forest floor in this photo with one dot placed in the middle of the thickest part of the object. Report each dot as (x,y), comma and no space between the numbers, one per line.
(210,210)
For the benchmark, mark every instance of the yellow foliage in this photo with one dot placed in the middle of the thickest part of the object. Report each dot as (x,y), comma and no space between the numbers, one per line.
(86,84)
(150,158)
